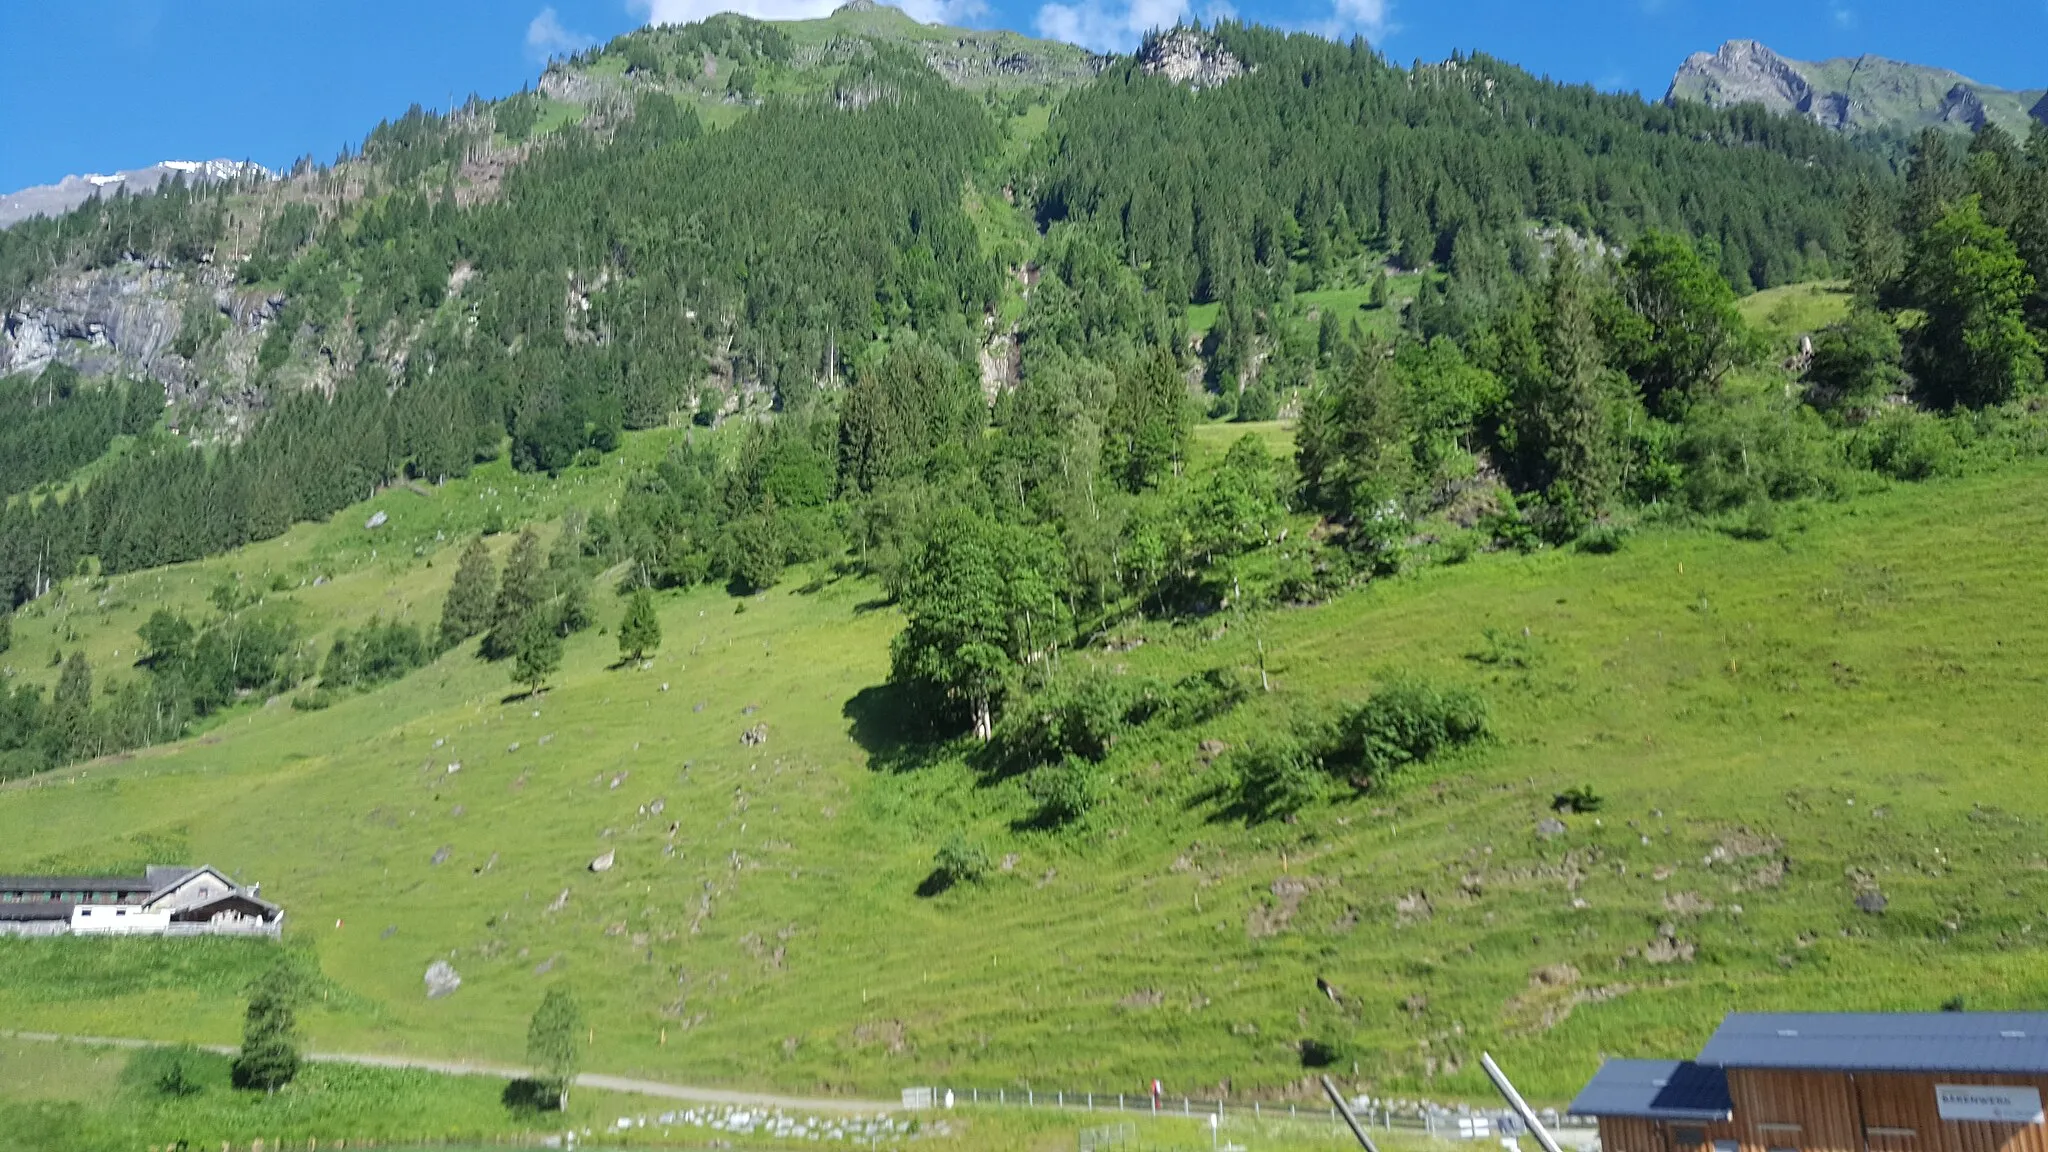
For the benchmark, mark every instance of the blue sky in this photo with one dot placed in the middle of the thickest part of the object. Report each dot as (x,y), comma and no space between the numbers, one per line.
(122,83)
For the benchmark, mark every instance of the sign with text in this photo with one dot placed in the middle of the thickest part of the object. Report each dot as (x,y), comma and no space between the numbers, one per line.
(1996,1103)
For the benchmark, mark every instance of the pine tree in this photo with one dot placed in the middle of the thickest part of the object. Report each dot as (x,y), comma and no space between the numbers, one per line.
(539,651)
(1354,447)
(1876,254)
(270,1039)
(521,594)
(467,611)
(552,1042)
(6,631)
(70,724)
(1574,413)
(1974,349)
(639,628)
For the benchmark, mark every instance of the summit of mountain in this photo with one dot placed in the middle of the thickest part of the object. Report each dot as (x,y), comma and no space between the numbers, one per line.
(1852,94)
(68,193)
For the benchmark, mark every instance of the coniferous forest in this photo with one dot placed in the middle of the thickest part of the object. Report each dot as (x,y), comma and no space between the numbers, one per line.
(825,275)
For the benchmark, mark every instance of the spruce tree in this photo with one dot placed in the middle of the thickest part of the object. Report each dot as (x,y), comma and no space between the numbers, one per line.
(467,610)
(270,1038)
(552,1042)
(1573,415)
(639,628)
(539,651)
(6,631)
(521,594)
(1876,254)
(1355,444)
(1974,350)
(70,724)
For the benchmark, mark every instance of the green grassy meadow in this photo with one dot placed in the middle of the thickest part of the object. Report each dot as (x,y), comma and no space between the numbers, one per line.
(63,1097)
(1782,314)
(1349,303)
(1775,726)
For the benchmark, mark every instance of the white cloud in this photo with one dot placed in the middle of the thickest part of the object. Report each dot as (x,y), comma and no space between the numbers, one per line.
(690,11)
(1106,27)
(1845,16)
(546,37)
(1372,17)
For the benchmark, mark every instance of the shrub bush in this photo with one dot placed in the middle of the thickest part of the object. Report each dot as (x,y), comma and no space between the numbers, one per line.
(374,654)
(960,861)
(1082,716)
(1064,792)
(1906,444)
(1278,777)
(1580,799)
(1739,451)
(1406,722)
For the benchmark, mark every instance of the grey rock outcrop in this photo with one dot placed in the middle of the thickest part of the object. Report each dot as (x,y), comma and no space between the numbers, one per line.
(1743,72)
(116,319)
(1189,56)
(1963,107)
(125,320)
(442,978)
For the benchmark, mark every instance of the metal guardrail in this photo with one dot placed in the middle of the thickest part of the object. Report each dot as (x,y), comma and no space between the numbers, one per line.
(1450,1122)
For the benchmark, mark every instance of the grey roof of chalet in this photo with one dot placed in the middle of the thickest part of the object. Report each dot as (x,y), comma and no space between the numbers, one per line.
(1883,1041)
(77,884)
(237,894)
(1657,1090)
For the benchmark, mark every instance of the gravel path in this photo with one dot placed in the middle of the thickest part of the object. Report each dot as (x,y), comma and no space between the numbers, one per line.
(629,1084)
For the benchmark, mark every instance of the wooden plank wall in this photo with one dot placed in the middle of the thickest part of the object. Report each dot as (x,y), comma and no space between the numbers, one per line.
(1868,1112)
(1907,1102)
(1820,1103)
(1631,1134)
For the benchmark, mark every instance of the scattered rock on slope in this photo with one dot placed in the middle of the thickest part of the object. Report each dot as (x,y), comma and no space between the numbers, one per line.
(442,979)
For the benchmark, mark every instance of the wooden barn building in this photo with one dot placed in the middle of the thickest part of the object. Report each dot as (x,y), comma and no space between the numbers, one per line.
(1835,1082)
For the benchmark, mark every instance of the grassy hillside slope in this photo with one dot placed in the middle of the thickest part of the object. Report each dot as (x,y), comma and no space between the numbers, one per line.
(1777,727)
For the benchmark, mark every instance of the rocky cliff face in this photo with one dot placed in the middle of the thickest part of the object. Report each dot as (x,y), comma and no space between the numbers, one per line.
(1866,92)
(1743,72)
(126,320)
(1187,56)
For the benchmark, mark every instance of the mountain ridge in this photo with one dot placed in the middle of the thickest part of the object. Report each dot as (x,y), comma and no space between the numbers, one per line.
(1852,94)
(68,193)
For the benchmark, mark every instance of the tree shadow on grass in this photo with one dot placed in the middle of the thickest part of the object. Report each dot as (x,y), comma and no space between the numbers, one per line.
(530,1097)
(939,881)
(1229,804)
(894,728)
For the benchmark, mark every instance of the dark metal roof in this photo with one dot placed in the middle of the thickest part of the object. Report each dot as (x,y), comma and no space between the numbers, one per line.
(1656,1089)
(76,884)
(53,910)
(1883,1041)
(205,908)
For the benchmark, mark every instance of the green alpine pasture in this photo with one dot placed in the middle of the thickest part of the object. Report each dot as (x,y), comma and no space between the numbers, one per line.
(62,1097)
(1812,758)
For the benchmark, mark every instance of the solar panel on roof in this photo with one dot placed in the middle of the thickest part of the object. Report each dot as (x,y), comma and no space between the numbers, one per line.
(1656,1089)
